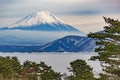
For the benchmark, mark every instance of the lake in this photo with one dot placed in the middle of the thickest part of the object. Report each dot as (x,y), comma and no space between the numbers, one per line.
(58,61)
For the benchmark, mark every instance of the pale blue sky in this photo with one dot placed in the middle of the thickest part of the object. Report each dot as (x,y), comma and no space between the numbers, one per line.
(11,10)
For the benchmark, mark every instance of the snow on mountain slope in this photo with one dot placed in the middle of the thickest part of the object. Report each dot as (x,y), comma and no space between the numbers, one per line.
(70,44)
(25,37)
(41,21)
(43,17)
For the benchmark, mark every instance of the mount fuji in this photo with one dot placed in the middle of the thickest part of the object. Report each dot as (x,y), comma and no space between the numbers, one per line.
(41,21)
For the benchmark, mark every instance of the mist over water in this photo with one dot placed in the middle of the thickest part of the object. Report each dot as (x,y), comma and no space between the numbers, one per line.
(21,37)
(59,61)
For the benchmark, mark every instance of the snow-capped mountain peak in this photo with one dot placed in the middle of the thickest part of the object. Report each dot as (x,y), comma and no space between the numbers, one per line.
(47,17)
(40,17)
(42,21)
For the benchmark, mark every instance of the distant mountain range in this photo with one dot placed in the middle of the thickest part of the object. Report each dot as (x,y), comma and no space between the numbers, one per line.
(43,32)
(65,44)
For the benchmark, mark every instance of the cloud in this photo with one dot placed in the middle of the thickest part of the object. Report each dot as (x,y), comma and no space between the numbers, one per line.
(111,5)
(18,8)
(21,8)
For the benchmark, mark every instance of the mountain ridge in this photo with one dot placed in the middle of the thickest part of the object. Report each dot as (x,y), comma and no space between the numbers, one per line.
(70,43)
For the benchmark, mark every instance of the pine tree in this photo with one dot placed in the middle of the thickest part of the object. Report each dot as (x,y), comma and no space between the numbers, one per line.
(80,71)
(47,73)
(109,49)
(30,70)
(9,68)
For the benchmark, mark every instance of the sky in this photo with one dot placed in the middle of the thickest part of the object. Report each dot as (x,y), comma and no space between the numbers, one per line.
(77,10)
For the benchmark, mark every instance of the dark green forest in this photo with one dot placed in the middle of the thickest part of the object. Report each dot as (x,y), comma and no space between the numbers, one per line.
(108,48)
(11,69)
